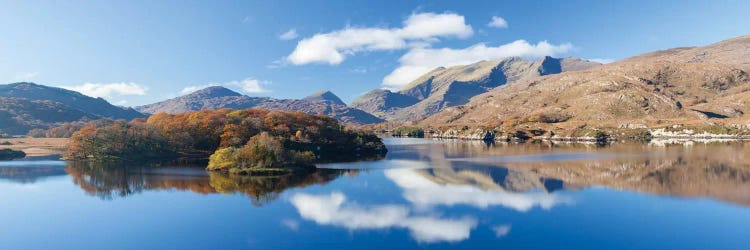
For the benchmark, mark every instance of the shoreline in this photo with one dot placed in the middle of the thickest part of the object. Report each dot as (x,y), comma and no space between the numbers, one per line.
(601,140)
(36,146)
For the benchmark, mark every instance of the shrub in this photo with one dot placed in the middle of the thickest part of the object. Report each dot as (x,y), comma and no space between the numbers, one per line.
(224,158)
(261,151)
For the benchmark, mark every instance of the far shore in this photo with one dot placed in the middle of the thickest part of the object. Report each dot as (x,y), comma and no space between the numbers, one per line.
(58,146)
(36,146)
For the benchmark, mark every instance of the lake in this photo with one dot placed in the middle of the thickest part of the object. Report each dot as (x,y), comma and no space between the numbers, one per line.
(426,194)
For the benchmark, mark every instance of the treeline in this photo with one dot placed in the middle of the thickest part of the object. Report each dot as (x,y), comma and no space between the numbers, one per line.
(408,132)
(66,130)
(236,139)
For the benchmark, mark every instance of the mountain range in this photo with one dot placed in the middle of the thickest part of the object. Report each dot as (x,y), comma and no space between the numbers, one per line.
(691,86)
(25,105)
(694,86)
(217,97)
(447,87)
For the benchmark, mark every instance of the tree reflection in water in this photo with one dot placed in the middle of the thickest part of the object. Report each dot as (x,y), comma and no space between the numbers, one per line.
(719,171)
(109,181)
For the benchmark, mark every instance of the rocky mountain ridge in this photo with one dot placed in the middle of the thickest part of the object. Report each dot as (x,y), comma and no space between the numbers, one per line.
(706,87)
(453,86)
(323,102)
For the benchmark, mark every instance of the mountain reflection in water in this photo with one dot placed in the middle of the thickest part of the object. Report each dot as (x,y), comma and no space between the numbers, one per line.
(716,170)
(432,191)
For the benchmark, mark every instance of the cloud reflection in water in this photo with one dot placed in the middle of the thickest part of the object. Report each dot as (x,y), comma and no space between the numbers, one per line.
(423,193)
(334,210)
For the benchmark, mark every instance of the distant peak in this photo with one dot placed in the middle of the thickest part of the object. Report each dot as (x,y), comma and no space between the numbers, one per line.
(548,59)
(215,91)
(513,58)
(322,92)
(549,65)
(325,95)
(16,84)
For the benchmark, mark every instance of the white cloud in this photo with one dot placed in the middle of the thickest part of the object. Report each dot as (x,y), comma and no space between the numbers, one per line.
(334,210)
(497,22)
(419,61)
(289,35)
(25,76)
(602,60)
(108,90)
(248,86)
(424,193)
(501,230)
(418,33)
(419,29)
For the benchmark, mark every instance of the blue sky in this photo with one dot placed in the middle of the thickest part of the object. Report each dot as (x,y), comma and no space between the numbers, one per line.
(138,52)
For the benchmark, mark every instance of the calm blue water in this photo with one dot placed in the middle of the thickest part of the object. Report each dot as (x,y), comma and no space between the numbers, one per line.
(424,195)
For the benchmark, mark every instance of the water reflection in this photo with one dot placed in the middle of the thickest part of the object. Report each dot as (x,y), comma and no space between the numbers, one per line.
(110,181)
(522,177)
(432,172)
(334,209)
(32,169)
(716,170)
(464,193)
(425,189)
(25,173)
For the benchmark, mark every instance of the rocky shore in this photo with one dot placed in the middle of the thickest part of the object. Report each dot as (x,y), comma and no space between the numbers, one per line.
(590,135)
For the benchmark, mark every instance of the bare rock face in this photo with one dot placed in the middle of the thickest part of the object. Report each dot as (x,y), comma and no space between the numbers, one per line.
(453,86)
(700,85)
(324,103)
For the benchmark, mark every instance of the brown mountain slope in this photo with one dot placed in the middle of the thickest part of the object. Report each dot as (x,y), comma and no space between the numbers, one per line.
(448,87)
(19,115)
(700,86)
